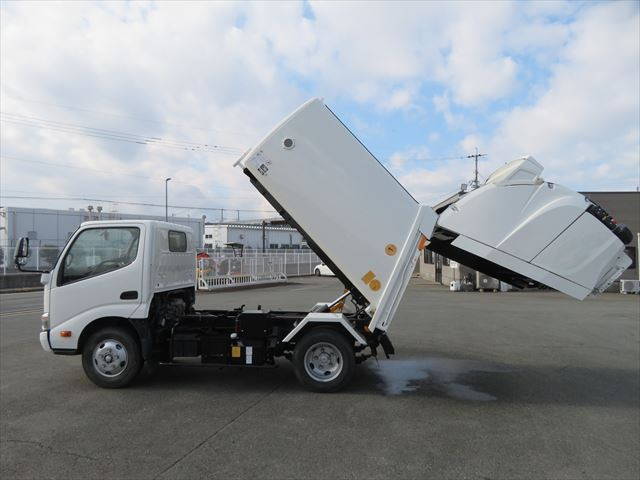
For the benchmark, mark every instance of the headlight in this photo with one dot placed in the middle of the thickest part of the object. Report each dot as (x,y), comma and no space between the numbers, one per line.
(45,321)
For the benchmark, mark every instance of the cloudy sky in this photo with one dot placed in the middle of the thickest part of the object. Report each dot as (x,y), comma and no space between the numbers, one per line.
(105,100)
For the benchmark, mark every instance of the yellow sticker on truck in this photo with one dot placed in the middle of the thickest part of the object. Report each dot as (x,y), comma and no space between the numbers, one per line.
(370,279)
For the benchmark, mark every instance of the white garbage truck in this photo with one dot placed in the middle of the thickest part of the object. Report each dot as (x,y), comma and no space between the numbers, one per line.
(122,293)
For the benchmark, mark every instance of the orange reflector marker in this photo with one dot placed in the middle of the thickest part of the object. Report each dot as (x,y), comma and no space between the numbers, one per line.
(65,333)
(422,243)
(368,277)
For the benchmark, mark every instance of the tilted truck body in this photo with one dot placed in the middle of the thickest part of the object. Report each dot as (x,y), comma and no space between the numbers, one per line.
(134,302)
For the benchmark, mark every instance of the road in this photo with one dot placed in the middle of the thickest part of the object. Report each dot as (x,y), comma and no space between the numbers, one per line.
(484,385)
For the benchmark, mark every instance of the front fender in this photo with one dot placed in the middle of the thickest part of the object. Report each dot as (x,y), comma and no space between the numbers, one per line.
(78,323)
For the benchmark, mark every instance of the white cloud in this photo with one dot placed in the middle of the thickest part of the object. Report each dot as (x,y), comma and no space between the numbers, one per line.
(399,99)
(224,73)
(588,116)
(398,160)
(584,126)
(189,72)
(443,105)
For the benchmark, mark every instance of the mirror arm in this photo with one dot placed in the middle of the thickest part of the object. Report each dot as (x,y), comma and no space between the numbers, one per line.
(30,271)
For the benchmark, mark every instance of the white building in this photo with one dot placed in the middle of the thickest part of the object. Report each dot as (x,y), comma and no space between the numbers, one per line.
(218,235)
(48,227)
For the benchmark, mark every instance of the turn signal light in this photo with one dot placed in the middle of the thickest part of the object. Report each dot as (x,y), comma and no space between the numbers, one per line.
(65,333)
(44,318)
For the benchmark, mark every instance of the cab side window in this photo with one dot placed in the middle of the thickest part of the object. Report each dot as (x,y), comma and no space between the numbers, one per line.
(99,250)
(177,241)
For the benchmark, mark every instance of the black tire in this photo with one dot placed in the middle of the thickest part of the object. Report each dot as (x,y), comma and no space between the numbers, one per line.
(119,338)
(316,272)
(323,335)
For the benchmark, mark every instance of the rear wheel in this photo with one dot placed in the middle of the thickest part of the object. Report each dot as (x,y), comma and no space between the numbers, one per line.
(111,357)
(324,360)
(317,272)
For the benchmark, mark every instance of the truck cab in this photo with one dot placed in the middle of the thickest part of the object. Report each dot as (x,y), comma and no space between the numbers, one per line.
(109,275)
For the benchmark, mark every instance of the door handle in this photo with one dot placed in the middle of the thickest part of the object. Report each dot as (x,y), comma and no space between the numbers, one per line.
(129,295)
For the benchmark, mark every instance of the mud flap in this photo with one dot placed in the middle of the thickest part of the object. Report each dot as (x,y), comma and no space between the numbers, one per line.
(387,346)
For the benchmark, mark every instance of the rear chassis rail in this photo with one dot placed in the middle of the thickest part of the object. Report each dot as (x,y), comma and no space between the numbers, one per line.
(249,337)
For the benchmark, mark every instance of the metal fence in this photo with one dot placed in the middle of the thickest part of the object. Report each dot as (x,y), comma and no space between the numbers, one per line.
(40,258)
(220,262)
(225,268)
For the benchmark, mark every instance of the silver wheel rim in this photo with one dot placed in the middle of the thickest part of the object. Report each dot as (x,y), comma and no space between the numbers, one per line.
(323,362)
(110,358)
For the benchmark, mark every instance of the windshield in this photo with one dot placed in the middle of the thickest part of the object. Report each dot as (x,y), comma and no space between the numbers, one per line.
(99,250)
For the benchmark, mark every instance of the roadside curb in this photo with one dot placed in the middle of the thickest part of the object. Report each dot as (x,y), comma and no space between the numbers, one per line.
(21,290)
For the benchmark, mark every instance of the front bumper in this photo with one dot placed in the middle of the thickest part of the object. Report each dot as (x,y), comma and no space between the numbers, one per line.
(44,340)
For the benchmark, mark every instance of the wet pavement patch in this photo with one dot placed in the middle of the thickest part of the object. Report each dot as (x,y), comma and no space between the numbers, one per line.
(458,379)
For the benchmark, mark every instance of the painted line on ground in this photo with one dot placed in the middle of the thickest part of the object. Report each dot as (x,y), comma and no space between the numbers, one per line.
(20,312)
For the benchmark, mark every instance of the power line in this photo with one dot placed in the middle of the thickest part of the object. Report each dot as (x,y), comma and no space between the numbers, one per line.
(116,173)
(63,127)
(128,195)
(85,130)
(141,204)
(421,159)
(64,165)
(19,116)
(119,115)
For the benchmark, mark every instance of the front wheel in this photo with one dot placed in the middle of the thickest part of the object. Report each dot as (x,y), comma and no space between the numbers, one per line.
(324,360)
(111,357)
(317,272)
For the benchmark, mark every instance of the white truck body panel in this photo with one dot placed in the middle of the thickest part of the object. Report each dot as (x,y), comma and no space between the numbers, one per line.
(355,211)
(348,204)
(172,269)
(155,269)
(538,229)
(518,265)
(518,219)
(585,253)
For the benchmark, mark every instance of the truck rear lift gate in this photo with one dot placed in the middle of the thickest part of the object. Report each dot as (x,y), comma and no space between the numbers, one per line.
(355,215)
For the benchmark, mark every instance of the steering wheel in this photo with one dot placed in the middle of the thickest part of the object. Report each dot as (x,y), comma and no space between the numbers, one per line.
(107,265)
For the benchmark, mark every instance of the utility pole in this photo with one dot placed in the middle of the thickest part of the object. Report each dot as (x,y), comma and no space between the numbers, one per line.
(475,183)
(166,199)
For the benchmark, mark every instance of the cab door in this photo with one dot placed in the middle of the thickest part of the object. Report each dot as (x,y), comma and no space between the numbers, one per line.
(99,275)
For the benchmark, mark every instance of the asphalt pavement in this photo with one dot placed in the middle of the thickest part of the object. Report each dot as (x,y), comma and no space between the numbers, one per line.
(484,385)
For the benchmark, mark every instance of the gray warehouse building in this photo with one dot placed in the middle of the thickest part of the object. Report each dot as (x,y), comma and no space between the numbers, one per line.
(252,235)
(52,228)
(624,207)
